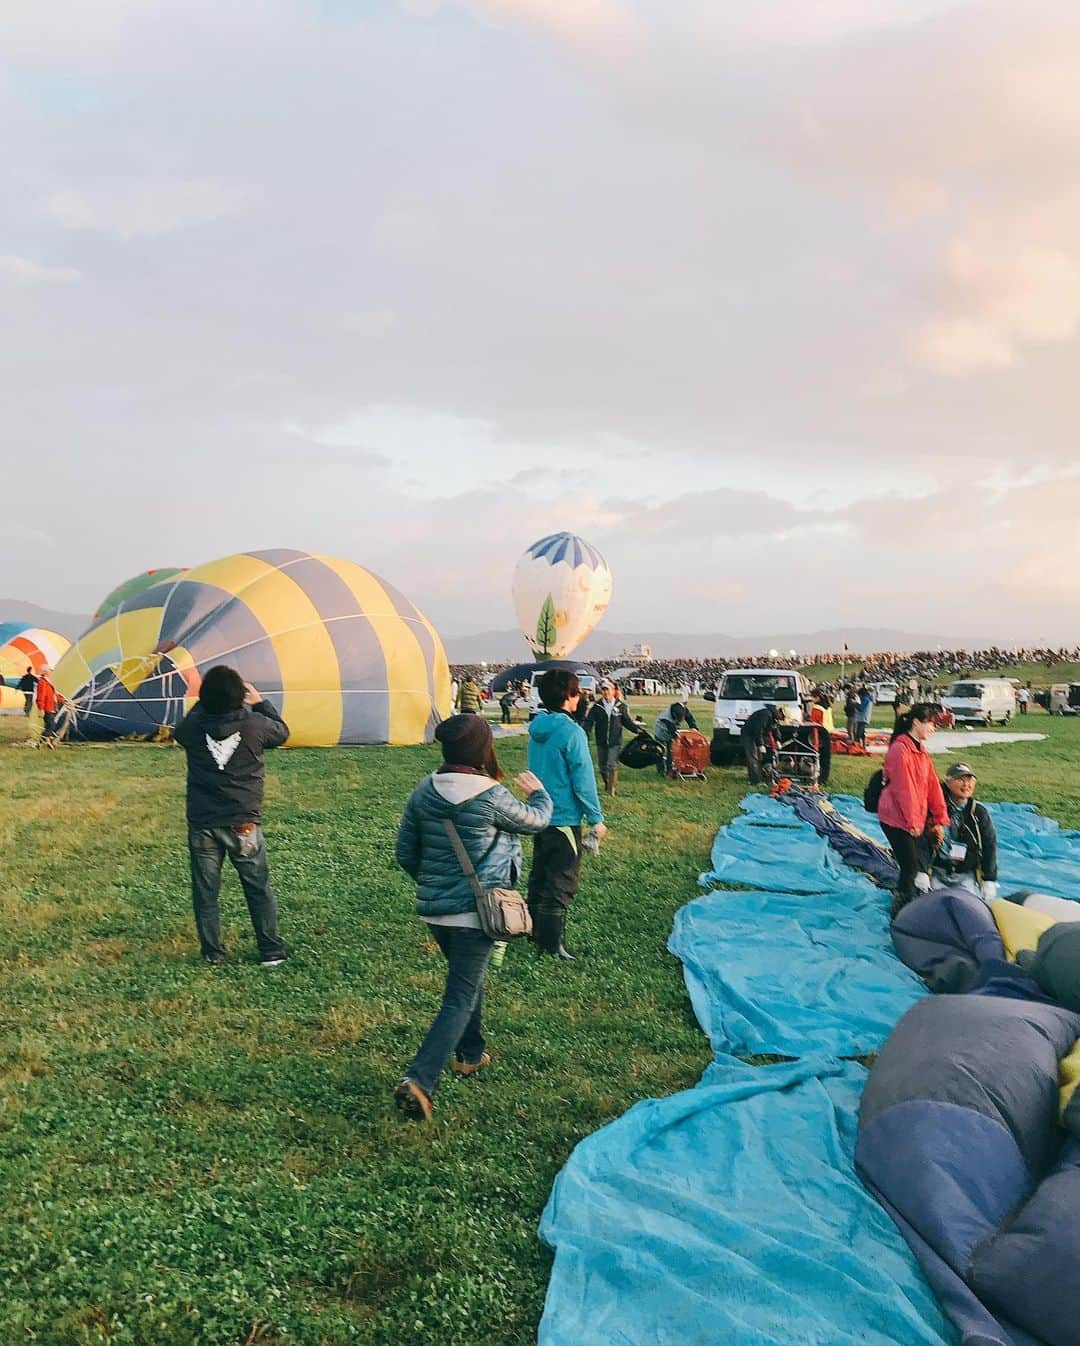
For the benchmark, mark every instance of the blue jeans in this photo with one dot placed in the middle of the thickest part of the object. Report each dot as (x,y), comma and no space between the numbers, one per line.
(456,1027)
(208,847)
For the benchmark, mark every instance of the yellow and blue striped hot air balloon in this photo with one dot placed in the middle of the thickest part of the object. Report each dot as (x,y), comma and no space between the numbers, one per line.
(344,656)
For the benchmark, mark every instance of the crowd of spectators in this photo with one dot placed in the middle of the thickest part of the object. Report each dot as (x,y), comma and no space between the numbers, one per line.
(925,667)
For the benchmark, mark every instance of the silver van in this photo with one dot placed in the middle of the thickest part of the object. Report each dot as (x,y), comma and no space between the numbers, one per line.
(984,701)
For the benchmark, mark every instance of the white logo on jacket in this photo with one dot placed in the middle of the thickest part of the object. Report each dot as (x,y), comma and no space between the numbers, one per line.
(221,750)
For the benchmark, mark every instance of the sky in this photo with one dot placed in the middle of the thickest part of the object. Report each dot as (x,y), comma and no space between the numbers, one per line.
(777,305)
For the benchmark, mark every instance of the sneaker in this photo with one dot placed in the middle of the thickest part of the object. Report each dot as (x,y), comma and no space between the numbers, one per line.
(215,959)
(411,1101)
(471,1067)
(273,959)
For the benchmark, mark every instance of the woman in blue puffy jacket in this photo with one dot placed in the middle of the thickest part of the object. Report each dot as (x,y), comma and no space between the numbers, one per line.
(490,822)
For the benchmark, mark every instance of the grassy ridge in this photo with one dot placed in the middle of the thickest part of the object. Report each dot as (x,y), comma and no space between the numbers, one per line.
(191,1156)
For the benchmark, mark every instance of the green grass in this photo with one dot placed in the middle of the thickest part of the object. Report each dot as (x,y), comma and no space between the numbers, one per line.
(211,1157)
(1038,675)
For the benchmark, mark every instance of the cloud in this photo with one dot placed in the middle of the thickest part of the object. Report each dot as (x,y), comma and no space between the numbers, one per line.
(147,209)
(999,303)
(727,514)
(609,33)
(524,266)
(35,274)
(596,26)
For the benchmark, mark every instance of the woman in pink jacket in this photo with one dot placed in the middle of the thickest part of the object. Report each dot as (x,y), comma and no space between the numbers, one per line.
(912,808)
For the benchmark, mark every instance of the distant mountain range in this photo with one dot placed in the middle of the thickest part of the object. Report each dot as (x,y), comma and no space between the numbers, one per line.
(497,647)
(510,647)
(66,623)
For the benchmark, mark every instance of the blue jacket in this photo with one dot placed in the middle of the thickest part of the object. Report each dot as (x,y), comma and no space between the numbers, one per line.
(559,755)
(488,819)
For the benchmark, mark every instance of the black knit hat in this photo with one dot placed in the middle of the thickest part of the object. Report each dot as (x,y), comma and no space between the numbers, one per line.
(466,740)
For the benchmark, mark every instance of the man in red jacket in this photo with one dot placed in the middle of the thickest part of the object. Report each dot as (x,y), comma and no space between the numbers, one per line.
(49,702)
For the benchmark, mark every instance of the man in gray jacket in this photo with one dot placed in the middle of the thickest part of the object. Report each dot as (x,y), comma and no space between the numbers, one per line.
(225,736)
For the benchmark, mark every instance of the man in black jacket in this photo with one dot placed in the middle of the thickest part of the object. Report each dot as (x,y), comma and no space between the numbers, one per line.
(225,736)
(28,686)
(759,740)
(968,855)
(608,717)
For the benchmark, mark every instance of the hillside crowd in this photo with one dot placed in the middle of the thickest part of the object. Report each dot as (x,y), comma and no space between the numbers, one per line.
(924,666)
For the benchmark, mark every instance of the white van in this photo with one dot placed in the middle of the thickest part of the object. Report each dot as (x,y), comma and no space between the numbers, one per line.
(982,701)
(586,681)
(744,690)
(1064,698)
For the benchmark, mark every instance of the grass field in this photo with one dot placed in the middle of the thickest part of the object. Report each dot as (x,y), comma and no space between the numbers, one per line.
(191,1155)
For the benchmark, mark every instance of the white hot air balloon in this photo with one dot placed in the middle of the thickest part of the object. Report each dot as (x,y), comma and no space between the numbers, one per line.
(562,586)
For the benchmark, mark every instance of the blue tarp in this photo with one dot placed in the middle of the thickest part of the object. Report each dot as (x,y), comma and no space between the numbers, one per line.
(788,974)
(804,966)
(730,1212)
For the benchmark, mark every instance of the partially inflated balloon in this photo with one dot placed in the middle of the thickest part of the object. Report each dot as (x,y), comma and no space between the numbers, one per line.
(562,586)
(343,656)
(23,646)
(145,579)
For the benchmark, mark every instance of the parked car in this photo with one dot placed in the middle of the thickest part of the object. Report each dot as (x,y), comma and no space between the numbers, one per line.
(1064,699)
(586,681)
(741,691)
(982,701)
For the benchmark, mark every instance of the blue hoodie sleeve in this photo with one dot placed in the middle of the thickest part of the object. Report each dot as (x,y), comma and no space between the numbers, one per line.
(582,778)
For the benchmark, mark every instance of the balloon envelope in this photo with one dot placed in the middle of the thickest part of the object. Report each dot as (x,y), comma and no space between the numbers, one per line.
(562,587)
(23,646)
(343,655)
(138,584)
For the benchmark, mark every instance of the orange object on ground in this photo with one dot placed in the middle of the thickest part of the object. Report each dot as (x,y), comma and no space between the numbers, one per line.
(690,754)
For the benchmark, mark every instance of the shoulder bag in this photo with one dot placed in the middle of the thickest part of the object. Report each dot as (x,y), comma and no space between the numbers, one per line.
(502,911)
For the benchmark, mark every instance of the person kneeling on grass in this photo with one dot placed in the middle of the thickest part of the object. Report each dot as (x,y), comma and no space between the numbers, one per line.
(466,792)
(224,737)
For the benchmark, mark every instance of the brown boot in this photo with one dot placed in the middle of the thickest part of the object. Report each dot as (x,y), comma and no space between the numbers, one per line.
(606,775)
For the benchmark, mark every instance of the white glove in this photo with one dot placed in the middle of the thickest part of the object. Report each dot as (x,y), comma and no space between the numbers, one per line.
(988,891)
(922,883)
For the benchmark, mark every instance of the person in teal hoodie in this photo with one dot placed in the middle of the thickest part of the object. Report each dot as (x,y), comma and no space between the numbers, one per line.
(559,755)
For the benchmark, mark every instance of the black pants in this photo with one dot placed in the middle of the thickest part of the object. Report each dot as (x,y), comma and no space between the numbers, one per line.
(556,870)
(757,756)
(910,853)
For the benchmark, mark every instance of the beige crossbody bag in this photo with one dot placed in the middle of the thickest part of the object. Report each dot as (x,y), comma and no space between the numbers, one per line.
(502,911)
